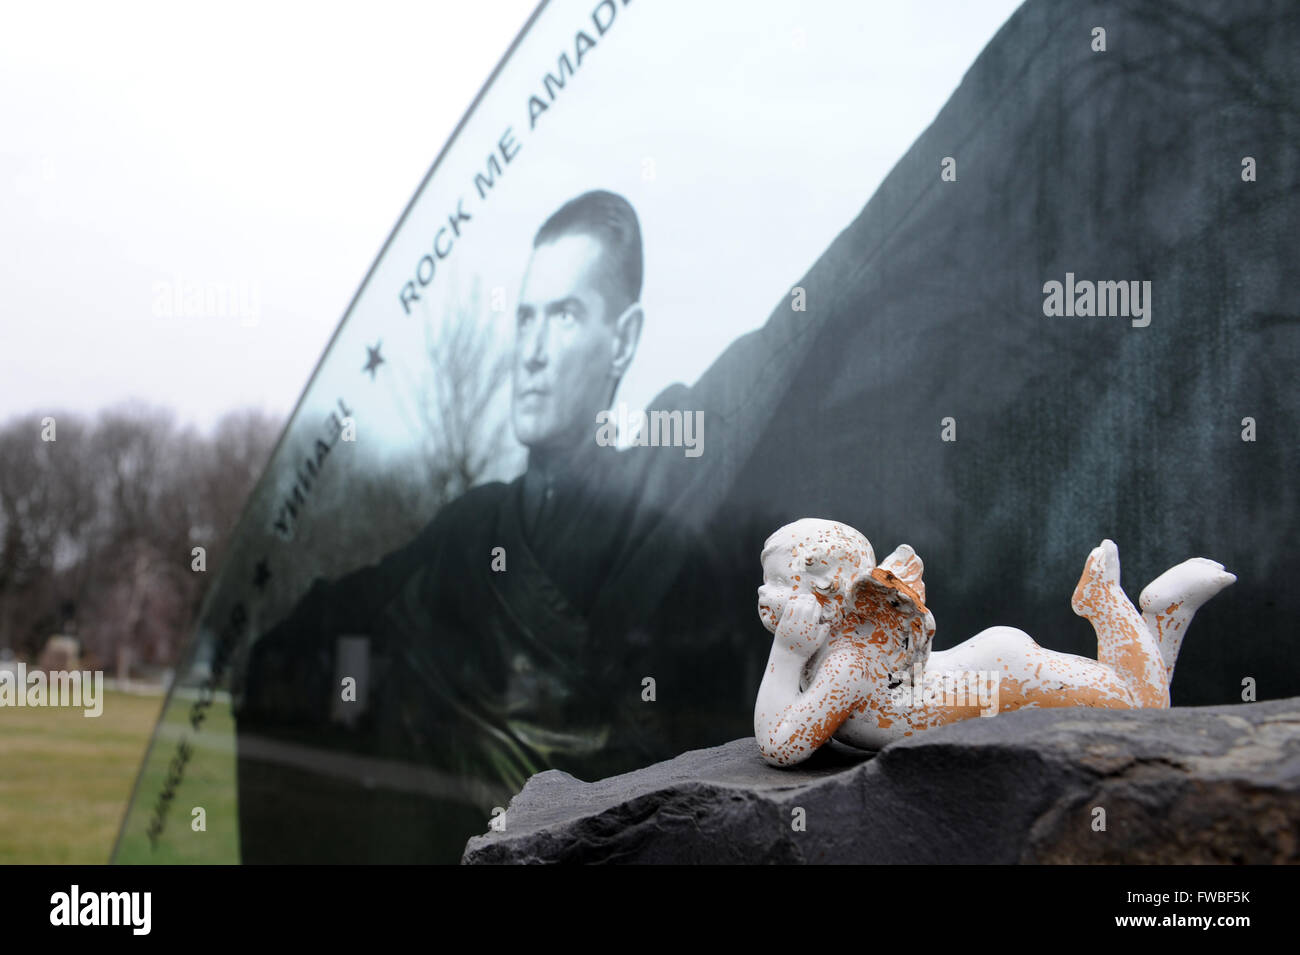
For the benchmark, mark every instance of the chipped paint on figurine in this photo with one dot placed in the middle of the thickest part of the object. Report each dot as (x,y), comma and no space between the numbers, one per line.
(848,632)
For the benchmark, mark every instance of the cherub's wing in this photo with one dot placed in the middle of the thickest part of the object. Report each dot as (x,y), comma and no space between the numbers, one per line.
(904,564)
(891,600)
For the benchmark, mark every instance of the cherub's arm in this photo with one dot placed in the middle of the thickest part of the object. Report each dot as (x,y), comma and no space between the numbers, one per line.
(790,725)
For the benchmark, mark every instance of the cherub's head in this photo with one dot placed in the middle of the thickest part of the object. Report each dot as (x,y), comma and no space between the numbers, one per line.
(812,556)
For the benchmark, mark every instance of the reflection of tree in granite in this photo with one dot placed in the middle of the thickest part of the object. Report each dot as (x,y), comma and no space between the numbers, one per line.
(369,500)
(467,370)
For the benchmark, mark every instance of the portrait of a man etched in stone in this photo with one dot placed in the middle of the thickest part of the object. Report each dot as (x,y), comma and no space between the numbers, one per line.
(504,639)
(577,327)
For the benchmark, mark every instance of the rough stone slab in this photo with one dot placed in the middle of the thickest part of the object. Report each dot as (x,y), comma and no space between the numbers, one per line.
(1190,785)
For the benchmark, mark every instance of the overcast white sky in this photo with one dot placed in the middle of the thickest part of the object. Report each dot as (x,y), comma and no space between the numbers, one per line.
(261,153)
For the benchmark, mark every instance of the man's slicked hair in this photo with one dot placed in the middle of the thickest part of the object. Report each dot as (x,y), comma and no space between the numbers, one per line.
(609,219)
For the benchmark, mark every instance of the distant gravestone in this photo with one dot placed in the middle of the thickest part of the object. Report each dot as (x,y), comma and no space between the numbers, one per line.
(60,653)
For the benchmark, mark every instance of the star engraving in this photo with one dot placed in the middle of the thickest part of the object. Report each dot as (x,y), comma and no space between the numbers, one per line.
(261,574)
(373,359)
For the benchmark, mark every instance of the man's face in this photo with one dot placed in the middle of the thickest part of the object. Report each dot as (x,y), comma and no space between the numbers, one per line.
(564,345)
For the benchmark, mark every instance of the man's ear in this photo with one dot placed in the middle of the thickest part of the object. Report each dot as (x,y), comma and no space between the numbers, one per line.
(627,333)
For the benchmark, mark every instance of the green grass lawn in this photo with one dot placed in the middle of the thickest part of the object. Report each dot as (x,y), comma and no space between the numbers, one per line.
(209,782)
(65,778)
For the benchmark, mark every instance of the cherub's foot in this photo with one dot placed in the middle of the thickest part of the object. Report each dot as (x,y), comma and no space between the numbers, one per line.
(1169,602)
(1100,579)
(1182,589)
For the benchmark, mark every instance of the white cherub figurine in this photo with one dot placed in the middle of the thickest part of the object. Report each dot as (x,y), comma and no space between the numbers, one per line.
(851,651)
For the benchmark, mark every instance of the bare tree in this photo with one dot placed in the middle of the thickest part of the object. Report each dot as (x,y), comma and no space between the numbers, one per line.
(371,501)
(97,526)
(467,370)
(46,511)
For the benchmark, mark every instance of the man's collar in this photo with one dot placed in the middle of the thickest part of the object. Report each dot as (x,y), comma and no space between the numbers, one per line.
(546,472)
(554,466)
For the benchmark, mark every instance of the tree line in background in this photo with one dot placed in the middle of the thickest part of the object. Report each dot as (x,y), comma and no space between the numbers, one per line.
(97,527)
